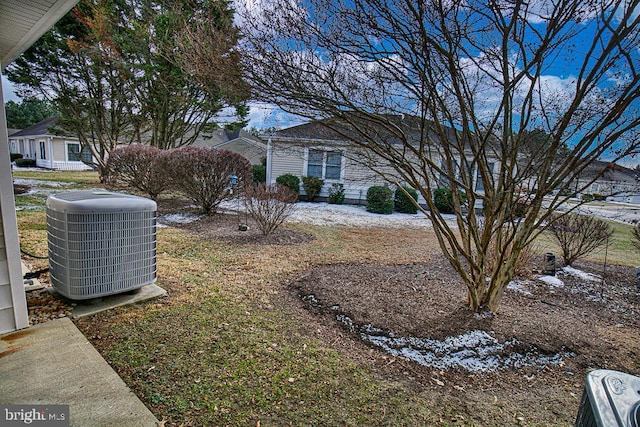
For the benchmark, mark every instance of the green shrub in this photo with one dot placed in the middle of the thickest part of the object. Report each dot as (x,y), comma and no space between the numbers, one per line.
(403,203)
(336,194)
(312,187)
(443,199)
(290,181)
(587,197)
(15,156)
(379,200)
(599,197)
(259,173)
(25,163)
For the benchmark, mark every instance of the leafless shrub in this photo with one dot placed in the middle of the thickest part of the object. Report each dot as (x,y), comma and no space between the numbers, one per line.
(579,235)
(139,166)
(204,175)
(269,205)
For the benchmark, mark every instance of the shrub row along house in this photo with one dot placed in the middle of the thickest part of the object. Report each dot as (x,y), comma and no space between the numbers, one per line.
(316,149)
(52,149)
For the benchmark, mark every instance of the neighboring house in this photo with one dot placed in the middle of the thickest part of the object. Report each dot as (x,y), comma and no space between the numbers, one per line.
(61,152)
(617,183)
(313,149)
(239,141)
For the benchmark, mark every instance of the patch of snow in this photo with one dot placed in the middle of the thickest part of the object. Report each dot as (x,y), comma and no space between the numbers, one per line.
(520,286)
(179,218)
(474,351)
(346,215)
(41,183)
(352,215)
(581,274)
(551,281)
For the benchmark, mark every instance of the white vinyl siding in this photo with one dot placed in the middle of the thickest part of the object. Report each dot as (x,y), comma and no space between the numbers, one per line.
(286,159)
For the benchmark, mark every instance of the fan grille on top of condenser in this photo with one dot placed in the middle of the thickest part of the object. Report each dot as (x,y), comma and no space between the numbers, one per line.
(100,243)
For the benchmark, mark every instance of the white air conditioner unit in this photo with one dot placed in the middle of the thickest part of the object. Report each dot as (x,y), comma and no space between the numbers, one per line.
(610,399)
(100,243)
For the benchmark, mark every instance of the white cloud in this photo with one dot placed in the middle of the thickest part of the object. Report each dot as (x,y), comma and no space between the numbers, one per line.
(263,115)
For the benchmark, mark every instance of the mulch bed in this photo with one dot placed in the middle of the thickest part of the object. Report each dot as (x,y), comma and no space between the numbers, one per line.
(428,300)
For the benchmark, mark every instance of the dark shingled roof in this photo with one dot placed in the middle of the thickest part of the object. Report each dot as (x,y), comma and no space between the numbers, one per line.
(610,172)
(41,128)
(312,130)
(411,127)
(221,136)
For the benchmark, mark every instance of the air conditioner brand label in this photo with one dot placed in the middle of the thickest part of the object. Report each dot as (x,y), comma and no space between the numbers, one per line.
(616,385)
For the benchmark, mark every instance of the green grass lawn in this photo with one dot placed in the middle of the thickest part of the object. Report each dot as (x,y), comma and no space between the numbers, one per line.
(619,251)
(72,177)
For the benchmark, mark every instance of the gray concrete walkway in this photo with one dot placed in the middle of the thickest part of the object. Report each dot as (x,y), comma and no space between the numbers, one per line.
(53,363)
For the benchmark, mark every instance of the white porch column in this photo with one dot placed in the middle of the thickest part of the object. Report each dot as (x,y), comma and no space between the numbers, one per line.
(13,303)
(50,152)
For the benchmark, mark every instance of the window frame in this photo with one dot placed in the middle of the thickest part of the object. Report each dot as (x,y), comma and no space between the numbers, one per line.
(42,145)
(83,155)
(325,154)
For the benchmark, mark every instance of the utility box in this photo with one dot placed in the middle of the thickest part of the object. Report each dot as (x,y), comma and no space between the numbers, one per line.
(610,399)
(549,264)
(100,243)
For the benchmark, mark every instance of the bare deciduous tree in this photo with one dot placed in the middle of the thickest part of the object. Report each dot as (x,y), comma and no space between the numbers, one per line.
(450,92)
(269,205)
(579,235)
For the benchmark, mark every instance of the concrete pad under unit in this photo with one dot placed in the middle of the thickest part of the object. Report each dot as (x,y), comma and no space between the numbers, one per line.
(96,305)
(53,363)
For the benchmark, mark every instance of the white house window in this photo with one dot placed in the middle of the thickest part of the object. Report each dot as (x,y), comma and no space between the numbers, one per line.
(444,181)
(314,165)
(43,151)
(324,164)
(334,165)
(76,154)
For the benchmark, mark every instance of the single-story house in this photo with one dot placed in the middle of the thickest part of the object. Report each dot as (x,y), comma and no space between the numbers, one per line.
(64,152)
(238,141)
(51,151)
(616,182)
(314,149)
